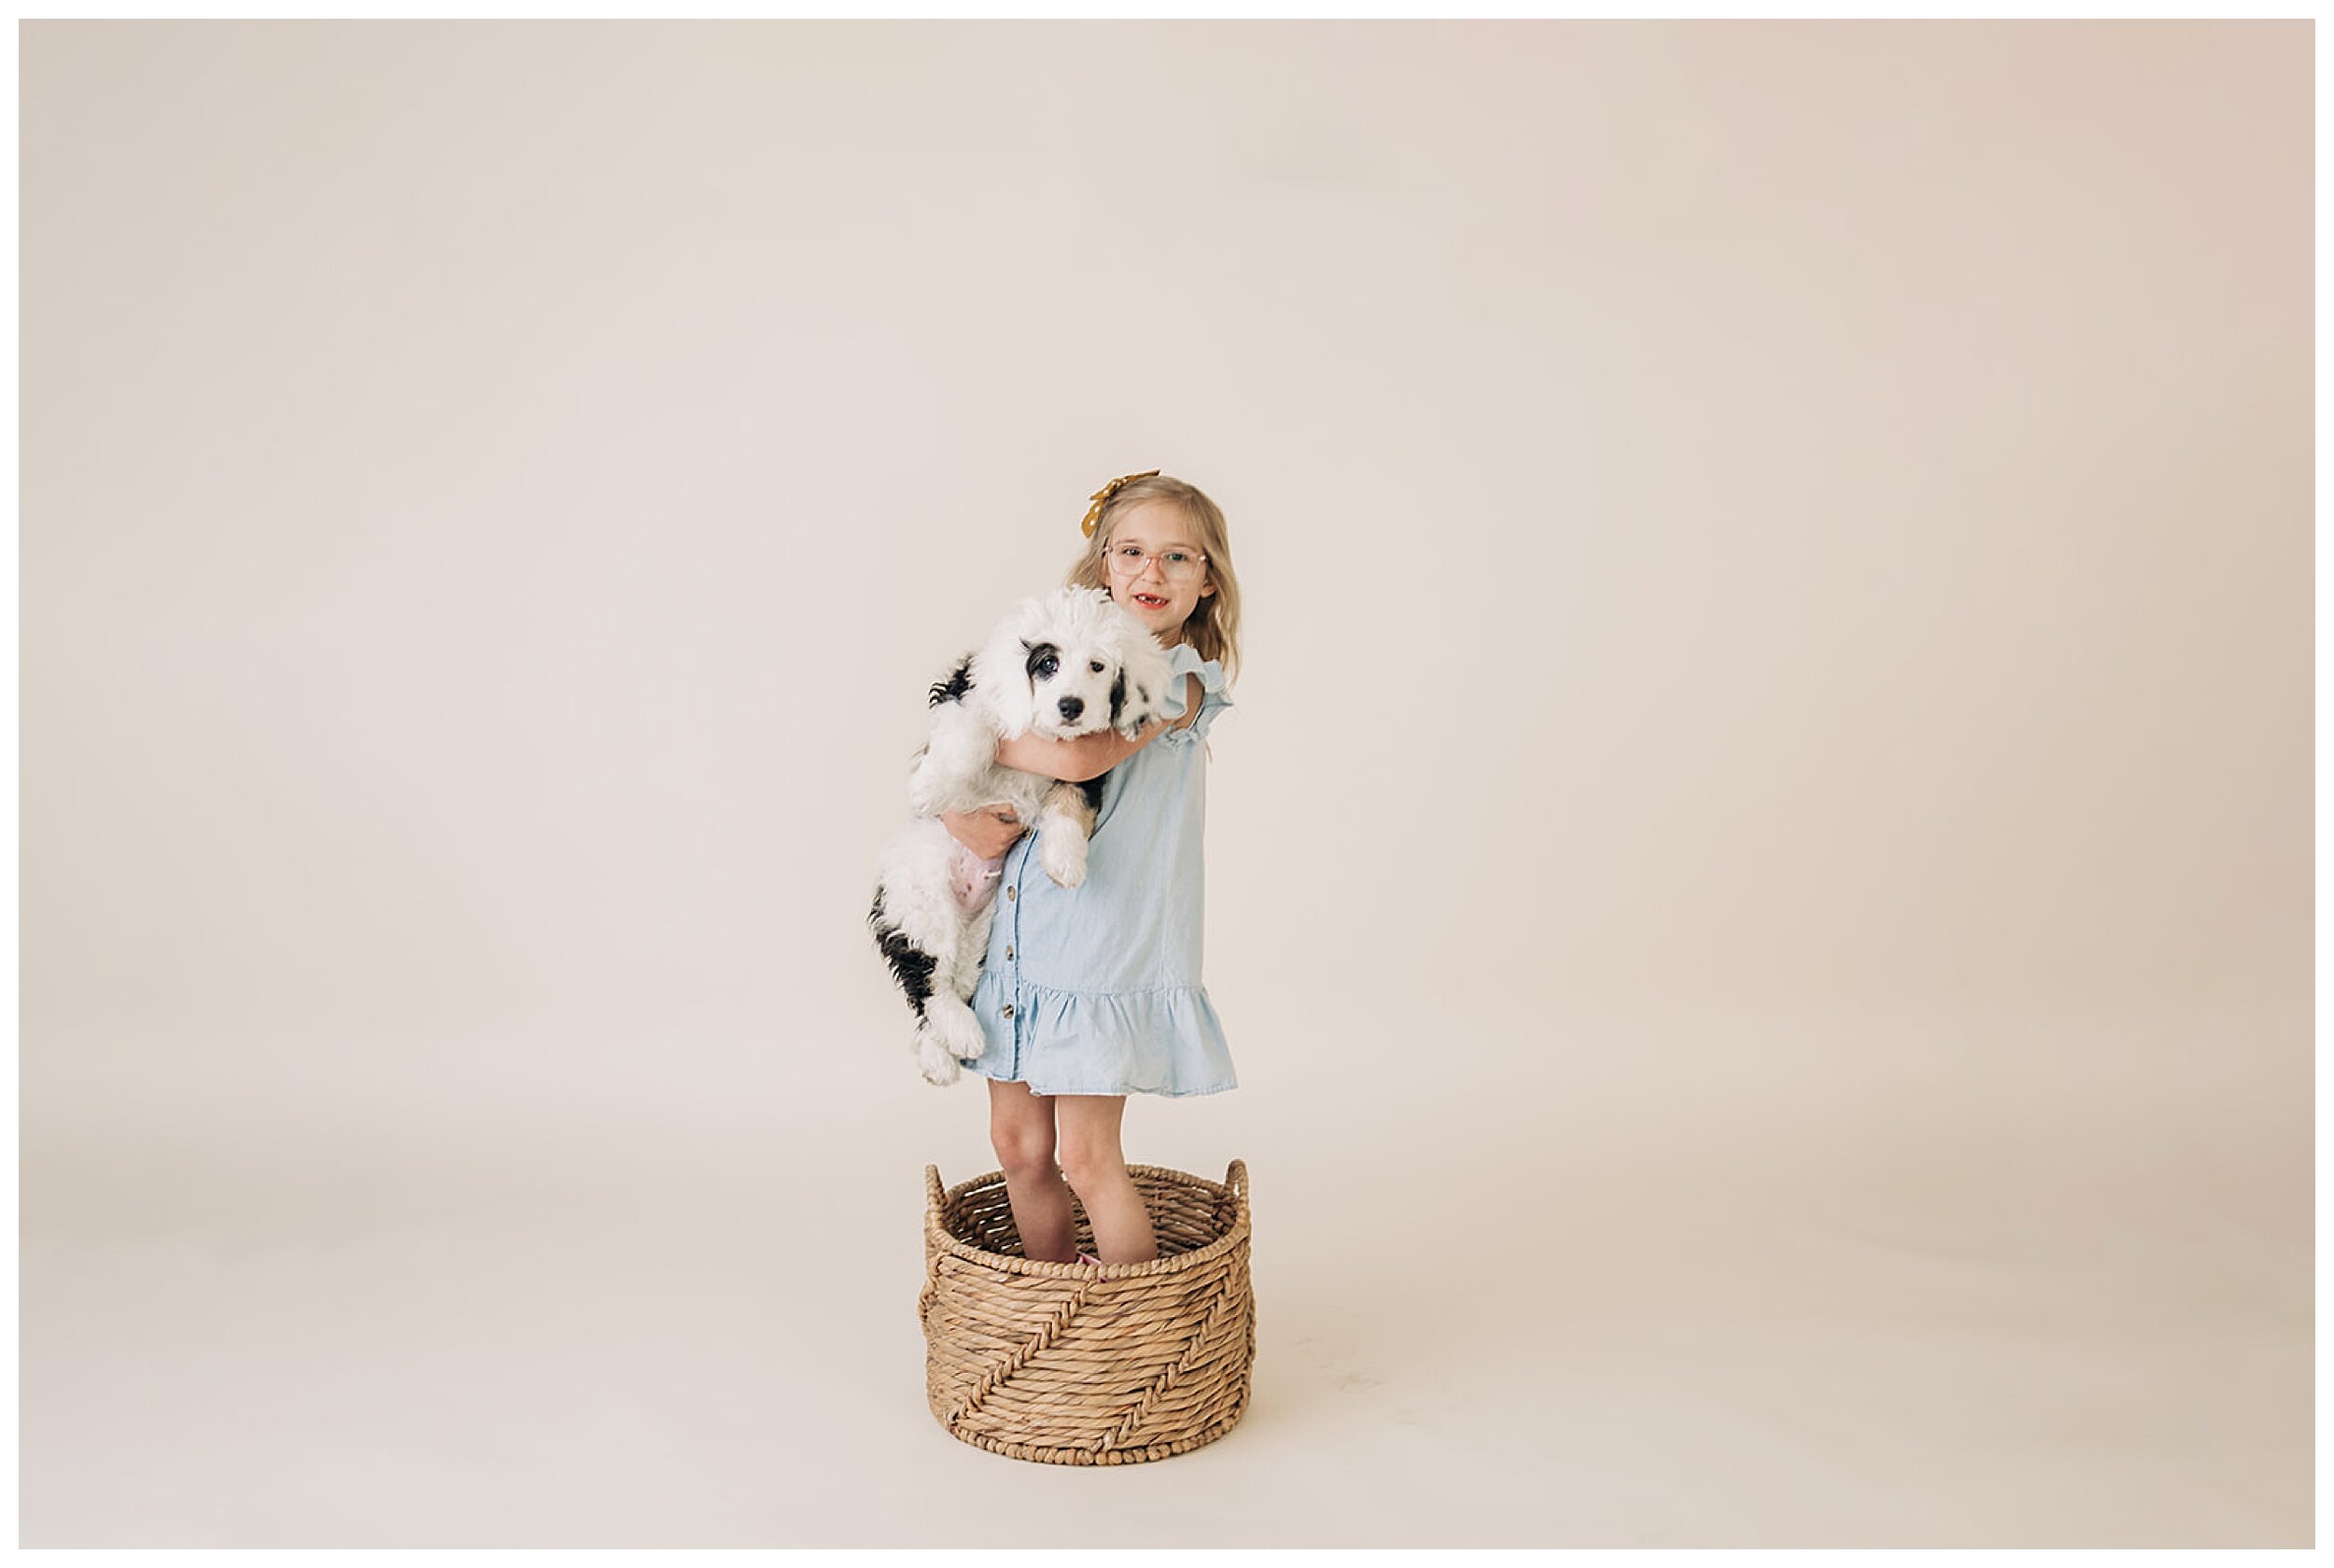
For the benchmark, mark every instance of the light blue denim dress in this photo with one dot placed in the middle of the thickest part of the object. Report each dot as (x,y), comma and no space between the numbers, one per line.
(1095,989)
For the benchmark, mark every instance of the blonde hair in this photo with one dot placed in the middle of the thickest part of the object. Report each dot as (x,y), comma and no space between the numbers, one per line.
(1213,627)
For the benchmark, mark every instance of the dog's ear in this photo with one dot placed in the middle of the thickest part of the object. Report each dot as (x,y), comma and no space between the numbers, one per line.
(1145,674)
(1001,672)
(1118,701)
(1014,701)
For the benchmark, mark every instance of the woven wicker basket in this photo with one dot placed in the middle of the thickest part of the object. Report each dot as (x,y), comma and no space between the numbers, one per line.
(1068,1364)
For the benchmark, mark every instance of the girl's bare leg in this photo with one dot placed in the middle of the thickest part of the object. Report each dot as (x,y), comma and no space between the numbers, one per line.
(1091,1159)
(1021,1130)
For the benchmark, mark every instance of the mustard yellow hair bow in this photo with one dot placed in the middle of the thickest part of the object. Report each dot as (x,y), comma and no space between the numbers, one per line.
(1094,512)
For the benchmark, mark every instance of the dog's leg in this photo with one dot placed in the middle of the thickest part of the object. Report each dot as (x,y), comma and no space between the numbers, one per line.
(948,1016)
(925,933)
(1065,822)
(918,971)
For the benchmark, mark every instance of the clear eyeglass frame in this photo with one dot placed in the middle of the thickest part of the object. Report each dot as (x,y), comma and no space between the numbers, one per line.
(1175,566)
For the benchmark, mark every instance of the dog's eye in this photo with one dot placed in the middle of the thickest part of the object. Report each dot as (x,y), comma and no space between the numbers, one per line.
(1047,665)
(1096,667)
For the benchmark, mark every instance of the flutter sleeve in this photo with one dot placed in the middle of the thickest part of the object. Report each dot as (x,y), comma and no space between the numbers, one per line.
(1184,660)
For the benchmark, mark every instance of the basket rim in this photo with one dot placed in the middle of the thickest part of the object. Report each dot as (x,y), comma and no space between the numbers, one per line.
(1236,1233)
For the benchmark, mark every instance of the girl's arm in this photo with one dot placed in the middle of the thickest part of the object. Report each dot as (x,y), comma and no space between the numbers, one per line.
(1075,762)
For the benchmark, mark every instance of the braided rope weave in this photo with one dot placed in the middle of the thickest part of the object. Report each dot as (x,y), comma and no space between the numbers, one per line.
(1068,1364)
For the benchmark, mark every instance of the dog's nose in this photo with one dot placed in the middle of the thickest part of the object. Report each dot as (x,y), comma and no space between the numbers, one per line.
(1071,707)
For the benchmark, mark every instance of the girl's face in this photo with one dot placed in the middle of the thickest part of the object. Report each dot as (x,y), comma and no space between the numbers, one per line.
(1160,590)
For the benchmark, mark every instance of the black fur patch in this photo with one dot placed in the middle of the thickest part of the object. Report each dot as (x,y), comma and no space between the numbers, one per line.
(1093,790)
(960,681)
(1118,698)
(912,966)
(1038,654)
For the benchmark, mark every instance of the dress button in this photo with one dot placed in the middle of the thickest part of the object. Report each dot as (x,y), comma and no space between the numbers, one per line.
(1010,893)
(1008,1009)
(1009,952)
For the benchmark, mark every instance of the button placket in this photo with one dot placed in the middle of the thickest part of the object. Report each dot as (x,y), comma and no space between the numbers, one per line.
(1013,942)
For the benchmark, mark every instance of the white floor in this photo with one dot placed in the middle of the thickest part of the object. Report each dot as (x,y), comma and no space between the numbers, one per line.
(1572,1330)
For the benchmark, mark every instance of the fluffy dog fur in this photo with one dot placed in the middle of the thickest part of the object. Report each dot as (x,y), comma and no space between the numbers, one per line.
(1068,664)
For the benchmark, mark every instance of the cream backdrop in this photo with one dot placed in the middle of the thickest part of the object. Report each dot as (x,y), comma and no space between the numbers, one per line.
(1760,880)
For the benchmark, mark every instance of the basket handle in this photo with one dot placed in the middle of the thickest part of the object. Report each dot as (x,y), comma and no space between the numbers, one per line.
(1236,1178)
(932,1191)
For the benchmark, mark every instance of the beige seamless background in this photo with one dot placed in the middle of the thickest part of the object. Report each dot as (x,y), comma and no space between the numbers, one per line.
(1760,880)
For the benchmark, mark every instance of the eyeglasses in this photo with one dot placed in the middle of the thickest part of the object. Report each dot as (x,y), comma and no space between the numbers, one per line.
(1175,566)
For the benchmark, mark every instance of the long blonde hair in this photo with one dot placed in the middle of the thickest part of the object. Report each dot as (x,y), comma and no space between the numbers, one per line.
(1214,628)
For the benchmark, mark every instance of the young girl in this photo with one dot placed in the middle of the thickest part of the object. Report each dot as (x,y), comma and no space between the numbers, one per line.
(1093,993)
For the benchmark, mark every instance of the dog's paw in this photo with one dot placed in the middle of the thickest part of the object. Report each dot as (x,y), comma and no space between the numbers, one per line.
(955,1029)
(934,1059)
(1063,855)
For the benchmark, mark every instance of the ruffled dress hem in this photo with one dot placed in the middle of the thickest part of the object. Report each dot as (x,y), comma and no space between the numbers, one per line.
(1126,1042)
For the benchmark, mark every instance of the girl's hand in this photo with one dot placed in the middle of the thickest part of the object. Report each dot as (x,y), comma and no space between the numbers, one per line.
(987,833)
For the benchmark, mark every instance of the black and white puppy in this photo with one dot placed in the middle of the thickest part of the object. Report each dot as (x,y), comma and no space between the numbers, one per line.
(1068,664)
